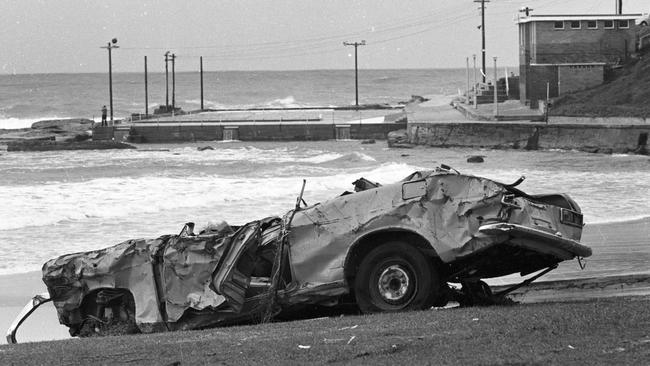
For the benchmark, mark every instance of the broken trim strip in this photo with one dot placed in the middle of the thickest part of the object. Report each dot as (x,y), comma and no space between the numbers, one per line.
(31,306)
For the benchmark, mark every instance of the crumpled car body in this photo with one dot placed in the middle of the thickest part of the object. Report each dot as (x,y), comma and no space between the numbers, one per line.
(381,248)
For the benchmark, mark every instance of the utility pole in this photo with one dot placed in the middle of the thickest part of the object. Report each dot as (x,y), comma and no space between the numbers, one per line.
(146,89)
(482,35)
(166,81)
(494,84)
(109,46)
(356,68)
(173,82)
(201,64)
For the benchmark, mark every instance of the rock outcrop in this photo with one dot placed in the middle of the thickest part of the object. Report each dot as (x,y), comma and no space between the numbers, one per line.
(60,130)
(398,139)
(49,145)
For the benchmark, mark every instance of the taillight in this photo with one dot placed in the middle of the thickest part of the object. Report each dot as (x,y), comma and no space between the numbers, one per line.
(570,217)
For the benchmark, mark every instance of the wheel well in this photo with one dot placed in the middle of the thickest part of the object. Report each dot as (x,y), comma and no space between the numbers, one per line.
(364,245)
(93,307)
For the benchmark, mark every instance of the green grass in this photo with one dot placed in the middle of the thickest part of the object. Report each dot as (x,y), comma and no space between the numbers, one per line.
(607,331)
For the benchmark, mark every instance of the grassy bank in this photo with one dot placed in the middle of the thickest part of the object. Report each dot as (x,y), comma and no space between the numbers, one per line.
(607,331)
(625,95)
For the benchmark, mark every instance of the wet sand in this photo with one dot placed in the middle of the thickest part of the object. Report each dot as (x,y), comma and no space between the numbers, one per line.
(618,267)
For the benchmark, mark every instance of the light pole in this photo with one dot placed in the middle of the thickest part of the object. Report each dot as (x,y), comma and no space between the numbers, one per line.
(356,68)
(475,82)
(109,46)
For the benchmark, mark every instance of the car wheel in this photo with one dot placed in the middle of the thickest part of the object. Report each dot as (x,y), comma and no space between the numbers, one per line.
(395,277)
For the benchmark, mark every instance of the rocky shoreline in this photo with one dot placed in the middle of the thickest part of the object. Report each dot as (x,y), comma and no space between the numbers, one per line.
(61,134)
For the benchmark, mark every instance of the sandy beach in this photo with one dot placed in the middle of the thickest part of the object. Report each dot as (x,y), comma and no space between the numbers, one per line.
(612,244)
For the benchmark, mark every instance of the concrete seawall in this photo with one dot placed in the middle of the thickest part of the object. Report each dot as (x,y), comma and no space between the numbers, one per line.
(265,131)
(531,136)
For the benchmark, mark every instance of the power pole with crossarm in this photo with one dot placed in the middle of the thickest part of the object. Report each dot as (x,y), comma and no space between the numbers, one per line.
(482,26)
(356,68)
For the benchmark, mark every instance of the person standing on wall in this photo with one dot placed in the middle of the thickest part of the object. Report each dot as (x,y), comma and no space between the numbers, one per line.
(104,116)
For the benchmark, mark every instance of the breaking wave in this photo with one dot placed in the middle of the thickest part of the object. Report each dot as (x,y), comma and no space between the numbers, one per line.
(353,157)
(118,198)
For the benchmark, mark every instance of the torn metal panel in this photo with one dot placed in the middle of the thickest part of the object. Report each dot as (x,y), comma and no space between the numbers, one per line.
(127,265)
(188,265)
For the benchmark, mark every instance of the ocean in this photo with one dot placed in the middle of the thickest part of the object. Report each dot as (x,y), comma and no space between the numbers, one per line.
(55,203)
(25,99)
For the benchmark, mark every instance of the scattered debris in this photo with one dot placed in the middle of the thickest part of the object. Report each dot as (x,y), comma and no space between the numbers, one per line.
(352,327)
(351,339)
(203,148)
(333,340)
(369,141)
(303,347)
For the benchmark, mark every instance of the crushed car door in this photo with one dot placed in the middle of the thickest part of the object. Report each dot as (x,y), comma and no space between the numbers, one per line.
(234,271)
(205,271)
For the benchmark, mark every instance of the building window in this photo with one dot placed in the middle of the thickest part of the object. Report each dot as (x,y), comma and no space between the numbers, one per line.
(558,25)
(609,24)
(592,24)
(624,24)
(575,24)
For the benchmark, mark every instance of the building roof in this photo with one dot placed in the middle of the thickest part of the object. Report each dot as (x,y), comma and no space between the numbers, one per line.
(571,64)
(569,17)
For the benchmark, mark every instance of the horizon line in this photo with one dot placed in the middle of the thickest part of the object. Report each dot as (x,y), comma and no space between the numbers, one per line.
(258,70)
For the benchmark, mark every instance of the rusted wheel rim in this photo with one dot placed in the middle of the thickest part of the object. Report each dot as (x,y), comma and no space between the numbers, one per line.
(394,283)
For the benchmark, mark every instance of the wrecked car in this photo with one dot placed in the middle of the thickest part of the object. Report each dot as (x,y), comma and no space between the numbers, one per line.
(381,248)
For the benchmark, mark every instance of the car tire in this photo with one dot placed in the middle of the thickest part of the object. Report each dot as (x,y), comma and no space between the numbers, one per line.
(394,277)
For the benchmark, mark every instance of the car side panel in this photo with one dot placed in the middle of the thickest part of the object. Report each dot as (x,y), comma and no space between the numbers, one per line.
(445,215)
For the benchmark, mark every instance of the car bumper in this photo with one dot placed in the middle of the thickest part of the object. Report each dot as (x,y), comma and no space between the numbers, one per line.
(538,240)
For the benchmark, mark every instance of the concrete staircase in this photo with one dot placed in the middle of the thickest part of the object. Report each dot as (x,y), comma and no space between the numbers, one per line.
(485,94)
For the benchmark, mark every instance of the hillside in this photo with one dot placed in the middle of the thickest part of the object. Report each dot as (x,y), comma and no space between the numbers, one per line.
(626,94)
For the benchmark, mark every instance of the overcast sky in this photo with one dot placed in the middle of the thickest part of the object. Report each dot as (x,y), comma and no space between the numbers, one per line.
(66,35)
